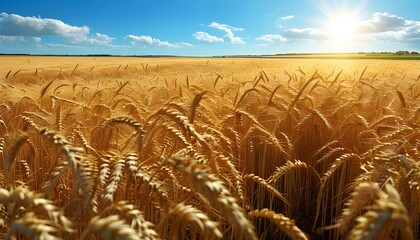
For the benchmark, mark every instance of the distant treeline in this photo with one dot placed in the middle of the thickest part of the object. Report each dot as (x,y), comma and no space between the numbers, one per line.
(406,52)
(398,53)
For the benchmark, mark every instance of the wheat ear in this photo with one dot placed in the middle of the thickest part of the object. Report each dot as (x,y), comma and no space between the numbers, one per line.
(214,190)
(292,104)
(109,228)
(9,161)
(267,186)
(194,105)
(284,223)
(363,194)
(115,178)
(73,154)
(134,218)
(32,227)
(21,197)
(387,213)
(184,215)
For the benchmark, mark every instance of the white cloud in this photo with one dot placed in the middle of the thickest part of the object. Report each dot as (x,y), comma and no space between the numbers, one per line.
(184,44)
(287,17)
(149,41)
(381,22)
(16,25)
(272,38)
(380,27)
(386,26)
(234,39)
(21,39)
(230,36)
(59,45)
(224,27)
(12,24)
(103,38)
(11,38)
(304,33)
(37,39)
(263,45)
(207,38)
(295,34)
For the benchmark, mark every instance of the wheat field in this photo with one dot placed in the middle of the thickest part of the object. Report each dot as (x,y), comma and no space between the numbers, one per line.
(209,148)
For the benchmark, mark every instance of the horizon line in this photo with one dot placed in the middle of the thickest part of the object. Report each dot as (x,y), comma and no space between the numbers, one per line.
(402,52)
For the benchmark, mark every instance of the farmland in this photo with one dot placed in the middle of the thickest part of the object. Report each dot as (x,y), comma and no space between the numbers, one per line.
(209,148)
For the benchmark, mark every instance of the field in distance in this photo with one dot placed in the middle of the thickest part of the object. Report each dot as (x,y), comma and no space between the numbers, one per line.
(238,66)
(209,148)
(372,56)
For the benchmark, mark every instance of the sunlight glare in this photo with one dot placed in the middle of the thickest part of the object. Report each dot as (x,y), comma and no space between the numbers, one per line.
(341,22)
(341,28)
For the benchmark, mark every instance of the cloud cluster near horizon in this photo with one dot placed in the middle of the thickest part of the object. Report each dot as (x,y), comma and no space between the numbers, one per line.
(386,26)
(228,37)
(149,41)
(380,27)
(207,38)
(13,26)
(16,28)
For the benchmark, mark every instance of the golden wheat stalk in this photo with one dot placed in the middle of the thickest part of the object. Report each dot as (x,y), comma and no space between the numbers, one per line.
(263,183)
(101,179)
(9,161)
(212,188)
(31,201)
(114,181)
(109,228)
(297,97)
(188,218)
(183,123)
(134,218)
(386,213)
(73,154)
(364,194)
(194,105)
(33,228)
(284,223)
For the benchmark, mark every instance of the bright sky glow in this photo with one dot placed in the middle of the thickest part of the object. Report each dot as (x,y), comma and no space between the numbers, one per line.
(208,27)
(342,28)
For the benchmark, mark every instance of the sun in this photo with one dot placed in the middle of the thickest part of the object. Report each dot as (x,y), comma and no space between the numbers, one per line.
(341,28)
(340,22)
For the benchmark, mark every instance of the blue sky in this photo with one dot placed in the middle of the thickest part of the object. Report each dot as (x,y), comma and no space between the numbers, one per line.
(208,27)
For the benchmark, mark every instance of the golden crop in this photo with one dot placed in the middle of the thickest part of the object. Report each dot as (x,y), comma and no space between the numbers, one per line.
(209,148)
